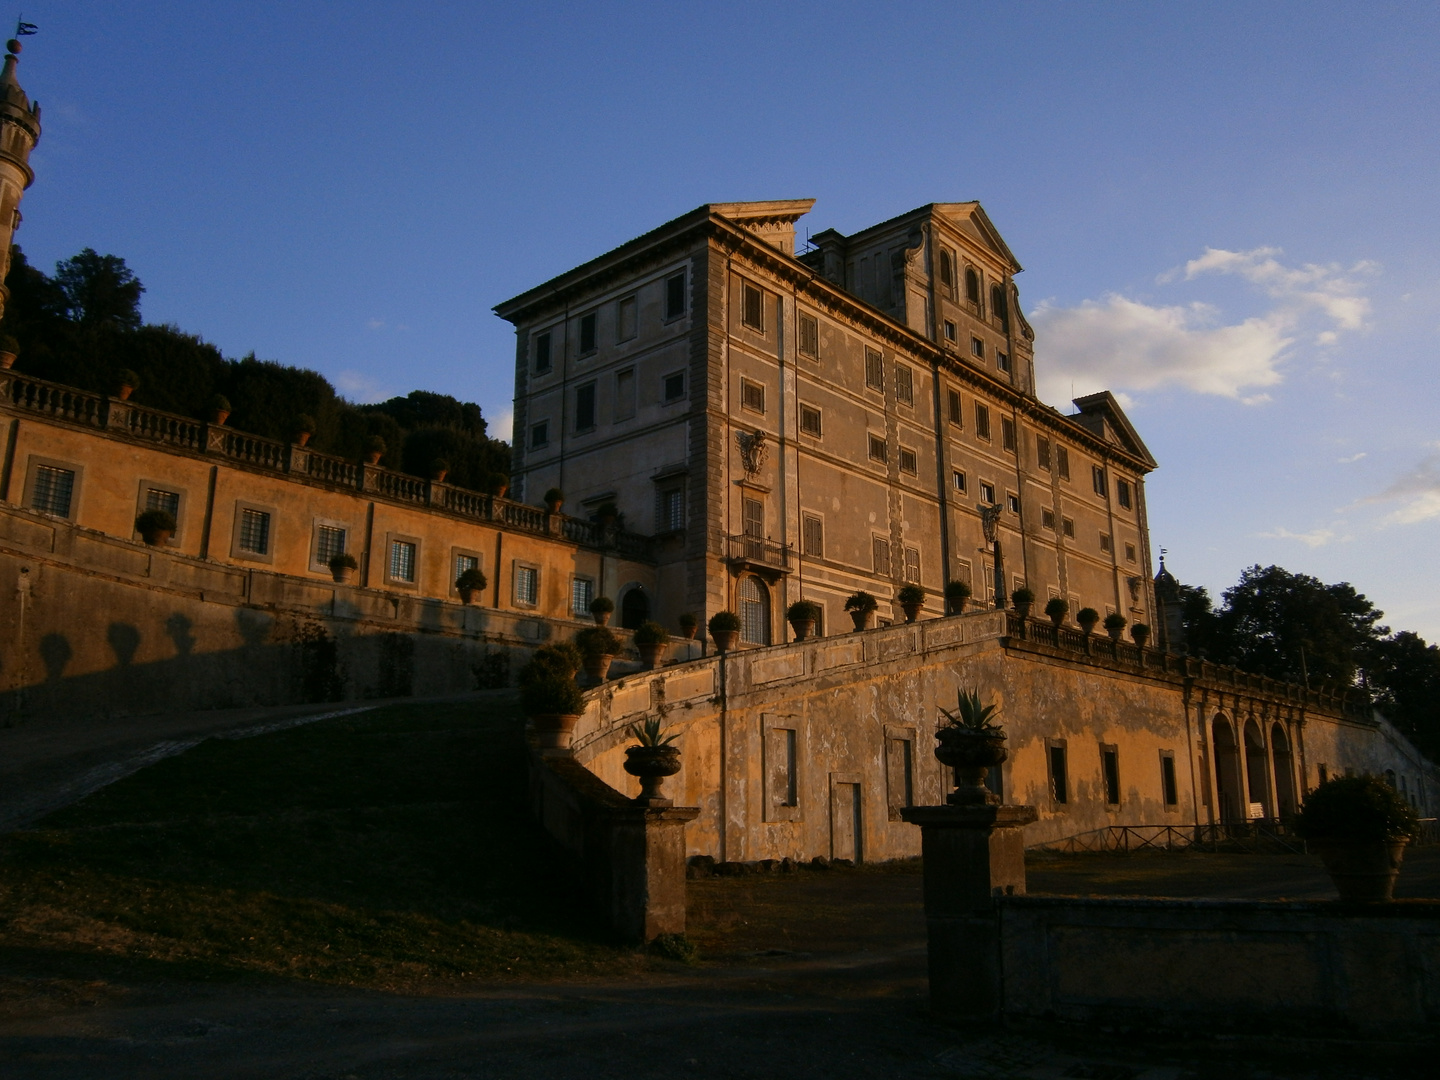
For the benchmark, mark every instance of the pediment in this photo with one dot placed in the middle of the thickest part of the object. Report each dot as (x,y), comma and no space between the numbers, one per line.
(970,218)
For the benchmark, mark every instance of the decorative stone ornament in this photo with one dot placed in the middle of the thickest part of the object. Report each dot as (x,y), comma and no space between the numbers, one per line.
(972,754)
(652,764)
(753,451)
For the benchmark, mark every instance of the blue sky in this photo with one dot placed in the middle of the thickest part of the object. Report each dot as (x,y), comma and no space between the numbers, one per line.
(1226,211)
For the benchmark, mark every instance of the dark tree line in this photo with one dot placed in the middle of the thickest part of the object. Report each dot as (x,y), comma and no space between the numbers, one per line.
(82,327)
(1296,627)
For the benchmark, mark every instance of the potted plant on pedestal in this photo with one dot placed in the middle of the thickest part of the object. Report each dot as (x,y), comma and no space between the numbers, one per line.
(688,625)
(9,351)
(469,583)
(219,410)
(1056,610)
(1087,617)
(598,646)
(554,499)
(497,484)
(1115,625)
(724,628)
(1023,599)
(957,595)
(156,527)
(127,382)
(1140,634)
(343,567)
(803,615)
(600,610)
(439,469)
(972,744)
(1359,826)
(374,449)
(651,640)
(549,695)
(653,759)
(861,605)
(304,429)
(912,599)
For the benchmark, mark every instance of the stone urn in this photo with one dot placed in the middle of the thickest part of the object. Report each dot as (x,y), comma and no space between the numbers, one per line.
(1114,632)
(912,611)
(553,730)
(972,754)
(467,596)
(803,628)
(1141,633)
(597,666)
(1058,620)
(652,764)
(955,605)
(861,619)
(725,639)
(342,574)
(1364,871)
(1023,609)
(652,655)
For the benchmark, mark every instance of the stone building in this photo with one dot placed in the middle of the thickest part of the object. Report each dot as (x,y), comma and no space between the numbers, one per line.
(805,426)
(19,132)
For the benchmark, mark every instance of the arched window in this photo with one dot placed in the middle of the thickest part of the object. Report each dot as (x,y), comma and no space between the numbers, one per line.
(998,305)
(634,608)
(972,286)
(754,611)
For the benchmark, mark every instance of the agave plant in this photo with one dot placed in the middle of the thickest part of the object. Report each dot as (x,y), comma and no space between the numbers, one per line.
(648,733)
(971,713)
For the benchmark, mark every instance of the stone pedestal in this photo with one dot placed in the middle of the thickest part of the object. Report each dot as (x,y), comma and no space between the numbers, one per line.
(972,855)
(647,876)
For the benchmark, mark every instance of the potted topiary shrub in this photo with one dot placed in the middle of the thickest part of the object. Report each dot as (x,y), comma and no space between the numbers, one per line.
(554,499)
(1115,625)
(219,410)
(688,625)
(1056,609)
(374,449)
(549,695)
(304,429)
(724,628)
(9,351)
(156,527)
(972,743)
(469,583)
(1359,826)
(1087,617)
(1023,599)
(652,759)
(497,484)
(598,646)
(957,595)
(1140,633)
(861,605)
(343,567)
(600,610)
(439,469)
(912,599)
(803,615)
(127,382)
(650,640)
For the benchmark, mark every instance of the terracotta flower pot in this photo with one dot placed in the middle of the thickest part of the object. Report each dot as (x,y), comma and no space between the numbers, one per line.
(652,655)
(554,505)
(598,667)
(302,438)
(1023,610)
(956,605)
(123,393)
(555,729)
(912,611)
(440,475)
(1140,636)
(157,537)
(1115,632)
(602,618)
(861,619)
(466,595)
(1364,872)
(971,754)
(688,632)
(725,639)
(803,628)
(342,574)
(7,360)
(500,490)
(652,764)
(219,416)
(1057,621)
(374,456)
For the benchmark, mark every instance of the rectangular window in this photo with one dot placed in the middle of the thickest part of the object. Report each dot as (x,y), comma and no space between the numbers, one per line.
(1007,434)
(160,499)
(813,535)
(753,310)
(626,319)
(540,435)
(1012,502)
(582,591)
(1122,493)
(977,348)
(1097,480)
(1105,542)
(670,509)
(1110,765)
(900,772)
(329,542)
(908,463)
(585,407)
(982,420)
(402,560)
(1059,774)
(949,330)
(674,386)
(527,586)
(752,515)
(877,449)
(52,490)
(904,385)
(880,555)
(957,414)
(1047,519)
(1169,789)
(810,421)
(587,333)
(624,395)
(1129,552)
(957,480)
(675,295)
(1002,361)
(1068,527)
(1042,452)
(752,396)
(809,337)
(255,532)
(542,354)
(912,565)
(464,563)
(1062,462)
(987,493)
(874,370)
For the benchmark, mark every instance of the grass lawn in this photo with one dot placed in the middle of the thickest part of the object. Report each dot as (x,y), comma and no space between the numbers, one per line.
(392,849)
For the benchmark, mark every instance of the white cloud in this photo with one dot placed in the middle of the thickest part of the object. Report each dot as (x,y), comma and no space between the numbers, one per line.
(1123,344)
(357,386)
(1351,458)
(502,426)
(1313,539)
(374,324)
(1418,492)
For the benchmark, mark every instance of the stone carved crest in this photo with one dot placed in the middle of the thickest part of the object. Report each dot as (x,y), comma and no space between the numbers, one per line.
(753,451)
(1134,584)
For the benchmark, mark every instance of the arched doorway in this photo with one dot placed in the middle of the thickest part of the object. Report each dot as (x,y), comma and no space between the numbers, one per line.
(1284,770)
(634,608)
(1228,796)
(1255,779)
(754,611)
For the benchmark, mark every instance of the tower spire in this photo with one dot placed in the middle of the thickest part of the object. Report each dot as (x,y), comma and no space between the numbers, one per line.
(19,132)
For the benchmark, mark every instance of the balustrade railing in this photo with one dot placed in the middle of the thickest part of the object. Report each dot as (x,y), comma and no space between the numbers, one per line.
(156,426)
(331,469)
(52,399)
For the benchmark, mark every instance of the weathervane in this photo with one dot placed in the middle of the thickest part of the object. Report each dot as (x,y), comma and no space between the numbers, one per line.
(25,29)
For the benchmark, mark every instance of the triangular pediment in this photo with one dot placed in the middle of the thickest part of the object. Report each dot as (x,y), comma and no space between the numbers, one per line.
(970,218)
(1101,415)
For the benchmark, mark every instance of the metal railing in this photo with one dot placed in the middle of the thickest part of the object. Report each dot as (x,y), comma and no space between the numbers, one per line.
(757,549)
(1255,837)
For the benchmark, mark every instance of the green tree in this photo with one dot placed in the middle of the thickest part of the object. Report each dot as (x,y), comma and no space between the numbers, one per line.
(1403,673)
(99,290)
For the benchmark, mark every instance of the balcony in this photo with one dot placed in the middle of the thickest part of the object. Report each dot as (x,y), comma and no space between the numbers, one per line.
(764,557)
